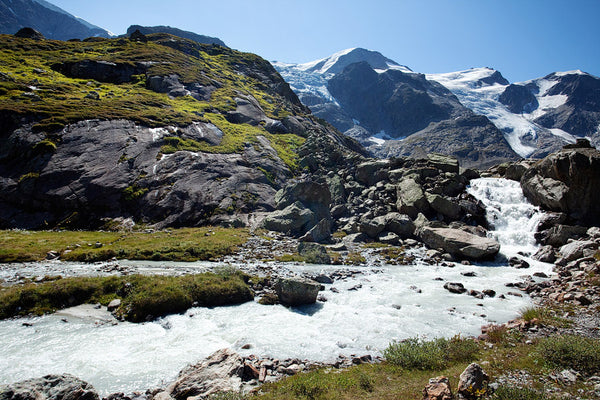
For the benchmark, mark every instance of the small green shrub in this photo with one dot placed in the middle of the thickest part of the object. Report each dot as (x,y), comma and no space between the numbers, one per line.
(437,354)
(516,393)
(133,192)
(570,351)
(29,175)
(44,146)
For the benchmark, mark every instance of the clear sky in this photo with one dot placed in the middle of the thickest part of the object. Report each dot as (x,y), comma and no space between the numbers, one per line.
(523,39)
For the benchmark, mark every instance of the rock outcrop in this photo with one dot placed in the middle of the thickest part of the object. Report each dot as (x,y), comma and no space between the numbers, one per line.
(567,182)
(50,387)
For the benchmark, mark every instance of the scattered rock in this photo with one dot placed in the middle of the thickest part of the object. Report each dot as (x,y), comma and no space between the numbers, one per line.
(438,389)
(113,305)
(459,243)
(455,287)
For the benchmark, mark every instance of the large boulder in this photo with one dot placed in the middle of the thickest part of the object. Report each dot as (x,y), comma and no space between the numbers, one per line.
(411,198)
(371,172)
(459,243)
(443,162)
(295,219)
(400,224)
(313,195)
(567,181)
(297,291)
(451,210)
(50,387)
(220,372)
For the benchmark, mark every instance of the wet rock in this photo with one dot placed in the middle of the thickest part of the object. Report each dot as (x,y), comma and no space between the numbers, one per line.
(455,287)
(518,263)
(459,243)
(448,208)
(438,389)
(559,235)
(323,279)
(52,255)
(297,291)
(50,387)
(388,238)
(220,372)
(472,382)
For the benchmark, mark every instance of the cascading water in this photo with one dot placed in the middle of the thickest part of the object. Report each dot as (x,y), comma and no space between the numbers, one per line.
(365,312)
(512,217)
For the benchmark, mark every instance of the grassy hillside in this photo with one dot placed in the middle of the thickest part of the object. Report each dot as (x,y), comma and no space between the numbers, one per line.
(31,87)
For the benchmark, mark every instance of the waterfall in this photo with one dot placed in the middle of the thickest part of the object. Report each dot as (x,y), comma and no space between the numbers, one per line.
(513,220)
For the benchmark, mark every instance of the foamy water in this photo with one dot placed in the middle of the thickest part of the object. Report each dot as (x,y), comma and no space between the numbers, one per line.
(387,303)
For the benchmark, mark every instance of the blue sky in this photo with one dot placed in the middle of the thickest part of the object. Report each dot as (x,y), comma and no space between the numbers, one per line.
(523,39)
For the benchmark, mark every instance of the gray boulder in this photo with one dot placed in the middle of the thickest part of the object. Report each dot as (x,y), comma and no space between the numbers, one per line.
(574,250)
(443,162)
(297,291)
(248,111)
(220,372)
(400,224)
(472,382)
(411,198)
(371,172)
(373,227)
(448,208)
(567,181)
(459,243)
(294,219)
(545,254)
(321,232)
(50,387)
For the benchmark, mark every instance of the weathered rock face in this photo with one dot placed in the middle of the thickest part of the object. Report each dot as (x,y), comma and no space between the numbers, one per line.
(297,292)
(50,387)
(568,182)
(109,169)
(221,372)
(459,243)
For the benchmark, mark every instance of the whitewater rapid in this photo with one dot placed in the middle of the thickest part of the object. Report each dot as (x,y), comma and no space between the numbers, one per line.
(364,313)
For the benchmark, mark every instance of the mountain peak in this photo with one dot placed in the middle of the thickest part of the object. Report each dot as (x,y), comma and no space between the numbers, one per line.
(340,60)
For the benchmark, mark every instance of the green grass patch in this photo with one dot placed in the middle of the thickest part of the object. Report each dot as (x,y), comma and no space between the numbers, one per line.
(437,354)
(186,244)
(570,351)
(516,393)
(142,296)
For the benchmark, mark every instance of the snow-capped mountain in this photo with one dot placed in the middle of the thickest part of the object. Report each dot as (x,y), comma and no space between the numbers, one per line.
(52,21)
(476,115)
(383,104)
(538,116)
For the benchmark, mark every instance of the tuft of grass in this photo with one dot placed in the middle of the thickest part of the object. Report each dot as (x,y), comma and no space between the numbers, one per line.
(543,316)
(570,351)
(186,244)
(436,354)
(514,393)
(143,297)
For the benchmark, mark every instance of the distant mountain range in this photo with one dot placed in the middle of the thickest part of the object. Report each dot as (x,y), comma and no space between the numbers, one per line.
(475,115)
(146,30)
(52,21)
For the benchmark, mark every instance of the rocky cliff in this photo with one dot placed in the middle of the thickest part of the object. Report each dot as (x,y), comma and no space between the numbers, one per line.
(156,128)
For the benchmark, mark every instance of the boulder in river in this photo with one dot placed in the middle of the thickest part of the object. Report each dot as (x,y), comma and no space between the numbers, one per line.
(297,291)
(459,243)
(50,387)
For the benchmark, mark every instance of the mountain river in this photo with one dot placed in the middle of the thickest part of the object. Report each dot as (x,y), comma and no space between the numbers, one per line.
(368,310)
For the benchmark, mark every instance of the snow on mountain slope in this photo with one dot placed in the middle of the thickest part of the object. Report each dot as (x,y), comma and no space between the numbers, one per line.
(476,91)
(473,92)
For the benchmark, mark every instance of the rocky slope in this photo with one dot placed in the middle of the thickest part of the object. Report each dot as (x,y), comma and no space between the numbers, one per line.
(159,129)
(53,22)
